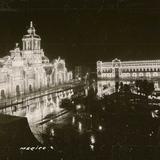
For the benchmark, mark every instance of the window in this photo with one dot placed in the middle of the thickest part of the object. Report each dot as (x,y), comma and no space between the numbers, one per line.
(134,74)
(3,94)
(155,74)
(141,74)
(148,74)
(128,74)
(30,88)
(17,90)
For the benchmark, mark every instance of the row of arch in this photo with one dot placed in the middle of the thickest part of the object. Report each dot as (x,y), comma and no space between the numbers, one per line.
(18,91)
(123,75)
(141,74)
(109,70)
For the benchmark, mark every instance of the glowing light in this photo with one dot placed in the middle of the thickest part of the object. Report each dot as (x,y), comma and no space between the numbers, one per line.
(52,132)
(92,147)
(155,114)
(73,120)
(80,126)
(100,127)
(128,69)
(92,139)
(51,120)
(78,106)
(90,116)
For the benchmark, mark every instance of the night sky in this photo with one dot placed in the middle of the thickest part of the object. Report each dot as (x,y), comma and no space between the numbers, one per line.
(84,31)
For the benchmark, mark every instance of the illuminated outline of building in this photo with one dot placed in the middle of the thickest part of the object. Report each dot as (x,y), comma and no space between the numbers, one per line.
(130,70)
(28,70)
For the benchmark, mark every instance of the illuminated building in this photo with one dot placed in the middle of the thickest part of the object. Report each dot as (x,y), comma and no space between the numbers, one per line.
(28,70)
(129,71)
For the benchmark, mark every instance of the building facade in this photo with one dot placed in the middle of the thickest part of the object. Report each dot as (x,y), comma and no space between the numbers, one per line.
(28,69)
(130,71)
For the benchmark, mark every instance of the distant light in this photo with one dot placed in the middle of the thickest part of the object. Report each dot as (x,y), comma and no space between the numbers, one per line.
(100,127)
(80,126)
(92,138)
(156,111)
(90,115)
(78,106)
(73,120)
(155,114)
(52,132)
(91,146)
(51,120)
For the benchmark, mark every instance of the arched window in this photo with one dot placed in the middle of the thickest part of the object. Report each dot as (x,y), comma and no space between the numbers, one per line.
(30,88)
(155,74)
(3,94)
(141,74)
(17,90)
(134,74)
(148,74)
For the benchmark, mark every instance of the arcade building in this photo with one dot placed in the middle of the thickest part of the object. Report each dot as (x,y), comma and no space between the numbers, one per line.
(28,69)
(129,71)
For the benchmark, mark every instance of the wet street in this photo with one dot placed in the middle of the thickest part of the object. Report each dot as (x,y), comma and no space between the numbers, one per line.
(95,129)
(76,135)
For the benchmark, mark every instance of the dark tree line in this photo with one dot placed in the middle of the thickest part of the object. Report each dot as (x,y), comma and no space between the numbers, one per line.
(144,87)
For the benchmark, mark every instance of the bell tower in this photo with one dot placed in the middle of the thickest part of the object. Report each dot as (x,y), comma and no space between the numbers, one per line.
(31,41)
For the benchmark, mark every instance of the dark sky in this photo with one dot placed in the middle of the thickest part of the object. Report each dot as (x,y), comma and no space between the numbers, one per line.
(84,31)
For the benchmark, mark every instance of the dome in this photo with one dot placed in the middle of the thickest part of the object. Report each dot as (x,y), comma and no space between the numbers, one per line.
(31,41)
(31,32)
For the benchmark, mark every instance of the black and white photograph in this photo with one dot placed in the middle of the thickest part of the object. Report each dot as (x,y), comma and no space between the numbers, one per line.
(79,80)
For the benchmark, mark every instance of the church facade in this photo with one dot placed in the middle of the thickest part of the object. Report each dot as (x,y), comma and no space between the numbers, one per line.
(129,71)
(28,69)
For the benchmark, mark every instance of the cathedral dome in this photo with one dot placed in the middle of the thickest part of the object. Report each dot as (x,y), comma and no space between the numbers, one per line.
(31,41)
(31,32)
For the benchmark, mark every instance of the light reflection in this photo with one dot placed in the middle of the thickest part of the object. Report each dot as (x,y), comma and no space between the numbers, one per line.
(73,120)
(155,114)
(78,106)
(100,127)
(92,147)
(80,126)
(92,139)
(52,132)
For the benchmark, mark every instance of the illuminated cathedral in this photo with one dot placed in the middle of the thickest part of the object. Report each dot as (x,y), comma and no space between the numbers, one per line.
(28,70)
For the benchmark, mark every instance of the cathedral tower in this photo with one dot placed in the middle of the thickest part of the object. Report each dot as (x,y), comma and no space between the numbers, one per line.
(31,41)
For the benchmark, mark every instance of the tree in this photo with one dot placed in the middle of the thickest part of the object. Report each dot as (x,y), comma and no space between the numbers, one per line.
(121,86)
(126,88)
(145,87)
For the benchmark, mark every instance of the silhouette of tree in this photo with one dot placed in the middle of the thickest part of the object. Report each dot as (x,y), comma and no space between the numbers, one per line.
(121,86)
(145,87)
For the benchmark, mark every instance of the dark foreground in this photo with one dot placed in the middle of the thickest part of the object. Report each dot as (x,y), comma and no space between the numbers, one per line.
(110,128)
